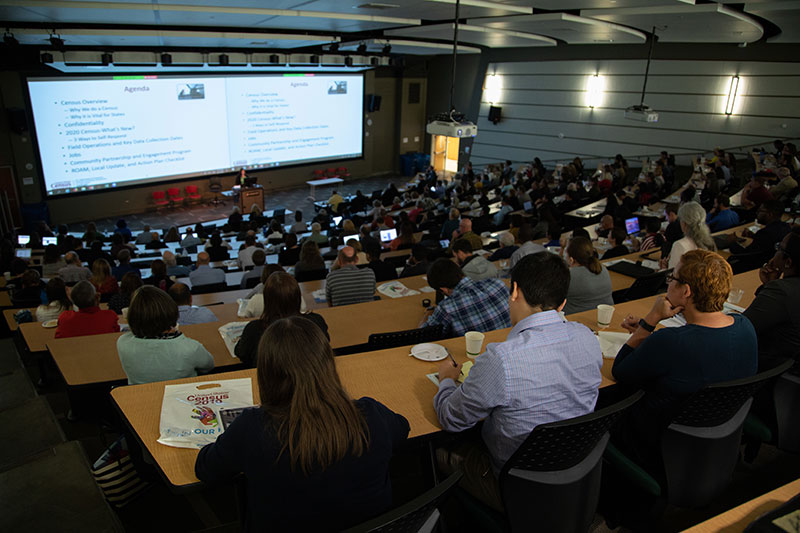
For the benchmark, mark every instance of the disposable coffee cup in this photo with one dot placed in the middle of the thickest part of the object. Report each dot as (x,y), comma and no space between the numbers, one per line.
(7,275)
(604,315)
(735,296)
(474,341)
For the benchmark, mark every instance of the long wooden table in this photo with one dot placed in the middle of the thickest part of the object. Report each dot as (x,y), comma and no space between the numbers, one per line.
(390,376)
(738,518)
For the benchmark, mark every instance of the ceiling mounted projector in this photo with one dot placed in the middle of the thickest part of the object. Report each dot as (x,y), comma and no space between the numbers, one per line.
(452,128)
(641,113)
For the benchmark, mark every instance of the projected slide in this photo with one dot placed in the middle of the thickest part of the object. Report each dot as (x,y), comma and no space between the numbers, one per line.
(100,133)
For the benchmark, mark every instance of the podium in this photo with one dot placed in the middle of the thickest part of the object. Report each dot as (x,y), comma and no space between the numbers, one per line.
(249,196)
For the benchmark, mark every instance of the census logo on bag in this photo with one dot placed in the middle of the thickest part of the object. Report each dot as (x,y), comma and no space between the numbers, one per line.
(191,413)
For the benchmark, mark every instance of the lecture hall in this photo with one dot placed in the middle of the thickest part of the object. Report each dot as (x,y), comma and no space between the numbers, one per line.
(464,265)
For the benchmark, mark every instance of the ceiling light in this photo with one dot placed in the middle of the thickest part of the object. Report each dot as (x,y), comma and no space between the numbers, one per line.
(106,59)
(733,89)
(166,59)
(224,60)
(493,88)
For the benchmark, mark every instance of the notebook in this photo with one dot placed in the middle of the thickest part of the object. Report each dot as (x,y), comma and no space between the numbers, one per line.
(627,268)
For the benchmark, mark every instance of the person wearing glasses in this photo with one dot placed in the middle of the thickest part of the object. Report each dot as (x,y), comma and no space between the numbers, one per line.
(775,313)
(672,363)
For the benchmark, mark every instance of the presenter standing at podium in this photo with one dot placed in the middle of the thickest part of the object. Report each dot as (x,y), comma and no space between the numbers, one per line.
(243,177)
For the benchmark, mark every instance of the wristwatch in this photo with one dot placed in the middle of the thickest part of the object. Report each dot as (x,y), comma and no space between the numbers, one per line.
(645,326)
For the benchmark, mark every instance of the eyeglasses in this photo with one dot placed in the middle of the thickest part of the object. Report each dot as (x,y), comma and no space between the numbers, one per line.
(781,249)
(671,277)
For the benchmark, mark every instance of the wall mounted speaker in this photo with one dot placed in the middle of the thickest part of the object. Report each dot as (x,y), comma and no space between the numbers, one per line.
(494,114)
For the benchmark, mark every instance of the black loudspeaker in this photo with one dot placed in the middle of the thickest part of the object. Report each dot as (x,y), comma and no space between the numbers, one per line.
(494,114)
(17,120)
(373,102)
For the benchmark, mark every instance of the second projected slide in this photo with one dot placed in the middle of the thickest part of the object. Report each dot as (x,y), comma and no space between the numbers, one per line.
(94,133)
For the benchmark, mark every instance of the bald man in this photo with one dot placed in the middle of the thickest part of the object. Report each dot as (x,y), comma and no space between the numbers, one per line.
(173,268)
(349,284)
(204,274)
(464,231)
(606,225)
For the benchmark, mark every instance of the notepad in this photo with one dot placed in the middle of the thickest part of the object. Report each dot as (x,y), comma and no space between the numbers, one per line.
(465,368)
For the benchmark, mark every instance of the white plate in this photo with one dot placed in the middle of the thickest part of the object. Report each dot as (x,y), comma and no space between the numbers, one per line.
(428,352)
(50,323)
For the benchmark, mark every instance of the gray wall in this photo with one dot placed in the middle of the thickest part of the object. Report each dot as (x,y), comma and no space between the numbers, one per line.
(545,113)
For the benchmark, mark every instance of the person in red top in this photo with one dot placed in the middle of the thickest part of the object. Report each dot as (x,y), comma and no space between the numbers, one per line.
(104,283)
(89,319)
(755,193)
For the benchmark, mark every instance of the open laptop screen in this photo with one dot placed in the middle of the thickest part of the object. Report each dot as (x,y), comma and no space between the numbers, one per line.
(632,225)
(388,235)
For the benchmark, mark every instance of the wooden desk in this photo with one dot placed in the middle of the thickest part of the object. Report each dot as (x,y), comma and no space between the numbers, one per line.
(738,518)
(225,297)
(308,287)
(390,376)
(5,299)
(93,359)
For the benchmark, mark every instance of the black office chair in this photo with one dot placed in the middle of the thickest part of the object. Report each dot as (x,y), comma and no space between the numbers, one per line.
(700,447)
(211,287)
(642,288)
(417,516)
(773,418)
(252,282)
(393,339)
(215,186)
(747,261)
(311,275)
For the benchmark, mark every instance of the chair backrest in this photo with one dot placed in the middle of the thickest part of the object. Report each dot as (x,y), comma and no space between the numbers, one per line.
(700,447)
(415,516)
(381,341)
(553,479)
(645,286)
(279,215)
(191,189)
(745,262)
(214,184)
(252,282)
(211,287)
(158,195)
(173,191)
(786,395)
(311,275)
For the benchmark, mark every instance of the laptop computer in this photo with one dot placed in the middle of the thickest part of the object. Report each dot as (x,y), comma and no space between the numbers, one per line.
(49,240)
(23,253)
(527,206)
(22,240)
(632,225)
(388,235)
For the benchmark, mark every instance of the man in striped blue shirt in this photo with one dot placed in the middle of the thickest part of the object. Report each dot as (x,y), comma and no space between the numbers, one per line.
(547,370)
(349,284)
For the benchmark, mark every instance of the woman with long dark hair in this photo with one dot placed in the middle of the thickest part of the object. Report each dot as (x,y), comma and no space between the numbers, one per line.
(282,299)
(313,458)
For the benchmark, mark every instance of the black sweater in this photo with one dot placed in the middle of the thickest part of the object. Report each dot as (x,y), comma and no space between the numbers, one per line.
(247,347)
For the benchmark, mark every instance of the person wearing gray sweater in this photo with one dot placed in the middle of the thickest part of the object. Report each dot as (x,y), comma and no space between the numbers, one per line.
(590,282)
(474,266)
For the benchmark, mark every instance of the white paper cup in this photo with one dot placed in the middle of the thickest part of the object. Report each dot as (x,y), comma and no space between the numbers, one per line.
(474,341)
(735,296)
(604,315)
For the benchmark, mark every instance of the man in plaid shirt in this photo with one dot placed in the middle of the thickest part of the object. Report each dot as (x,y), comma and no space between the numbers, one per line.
(469,305)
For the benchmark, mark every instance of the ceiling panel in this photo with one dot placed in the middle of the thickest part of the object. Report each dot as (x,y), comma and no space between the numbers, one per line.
(481,35)
(33,12)
(569,28)
(686,23)
(785,15)
(402,46)
(422,9)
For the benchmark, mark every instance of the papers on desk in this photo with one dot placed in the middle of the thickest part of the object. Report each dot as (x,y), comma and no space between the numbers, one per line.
(649,263)
(319,296)
(611,342)
(230,334)
(191,413)
(465,368)
(395,289)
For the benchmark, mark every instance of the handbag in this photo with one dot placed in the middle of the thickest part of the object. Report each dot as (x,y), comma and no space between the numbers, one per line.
(116,474)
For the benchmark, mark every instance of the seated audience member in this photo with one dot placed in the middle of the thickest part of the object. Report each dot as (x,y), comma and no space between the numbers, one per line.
(333,250)
(255,298)
(349,284)
(158,276)
(96,252)
(692,219)
(590,282)
(216,249)
(57,301)
(365,237)
(722,216)
(356,244)
(558,362)
(127,286)
(290,253)
(104,283)
(672,363)
(787,184)
(246,253)
(204,274)
(235,219)
(384,271)
(300,473)
(283,294)
(500,216)
(507,247)
(274,234)
(52,261)
(348,228)
(473,266)
(755,192)
(118,244)
(154,349)
(527,247)
(605,227)
(124,260)
(29,292)
(74,271)
(653,239)
(299,226)
(155,243)
(188,313)
(91,233)
(259,258)
(172,235)
(775,312)
(450,225)
(406,238)
(334,201)
(417,264)
(89,319)
(173,268)
(145,236)
(310,259)
(764,240)
(123,229)
(468,305)
(553,235)
(464,231)
(616,239)
(316,236)
(673,231)
(192,238)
